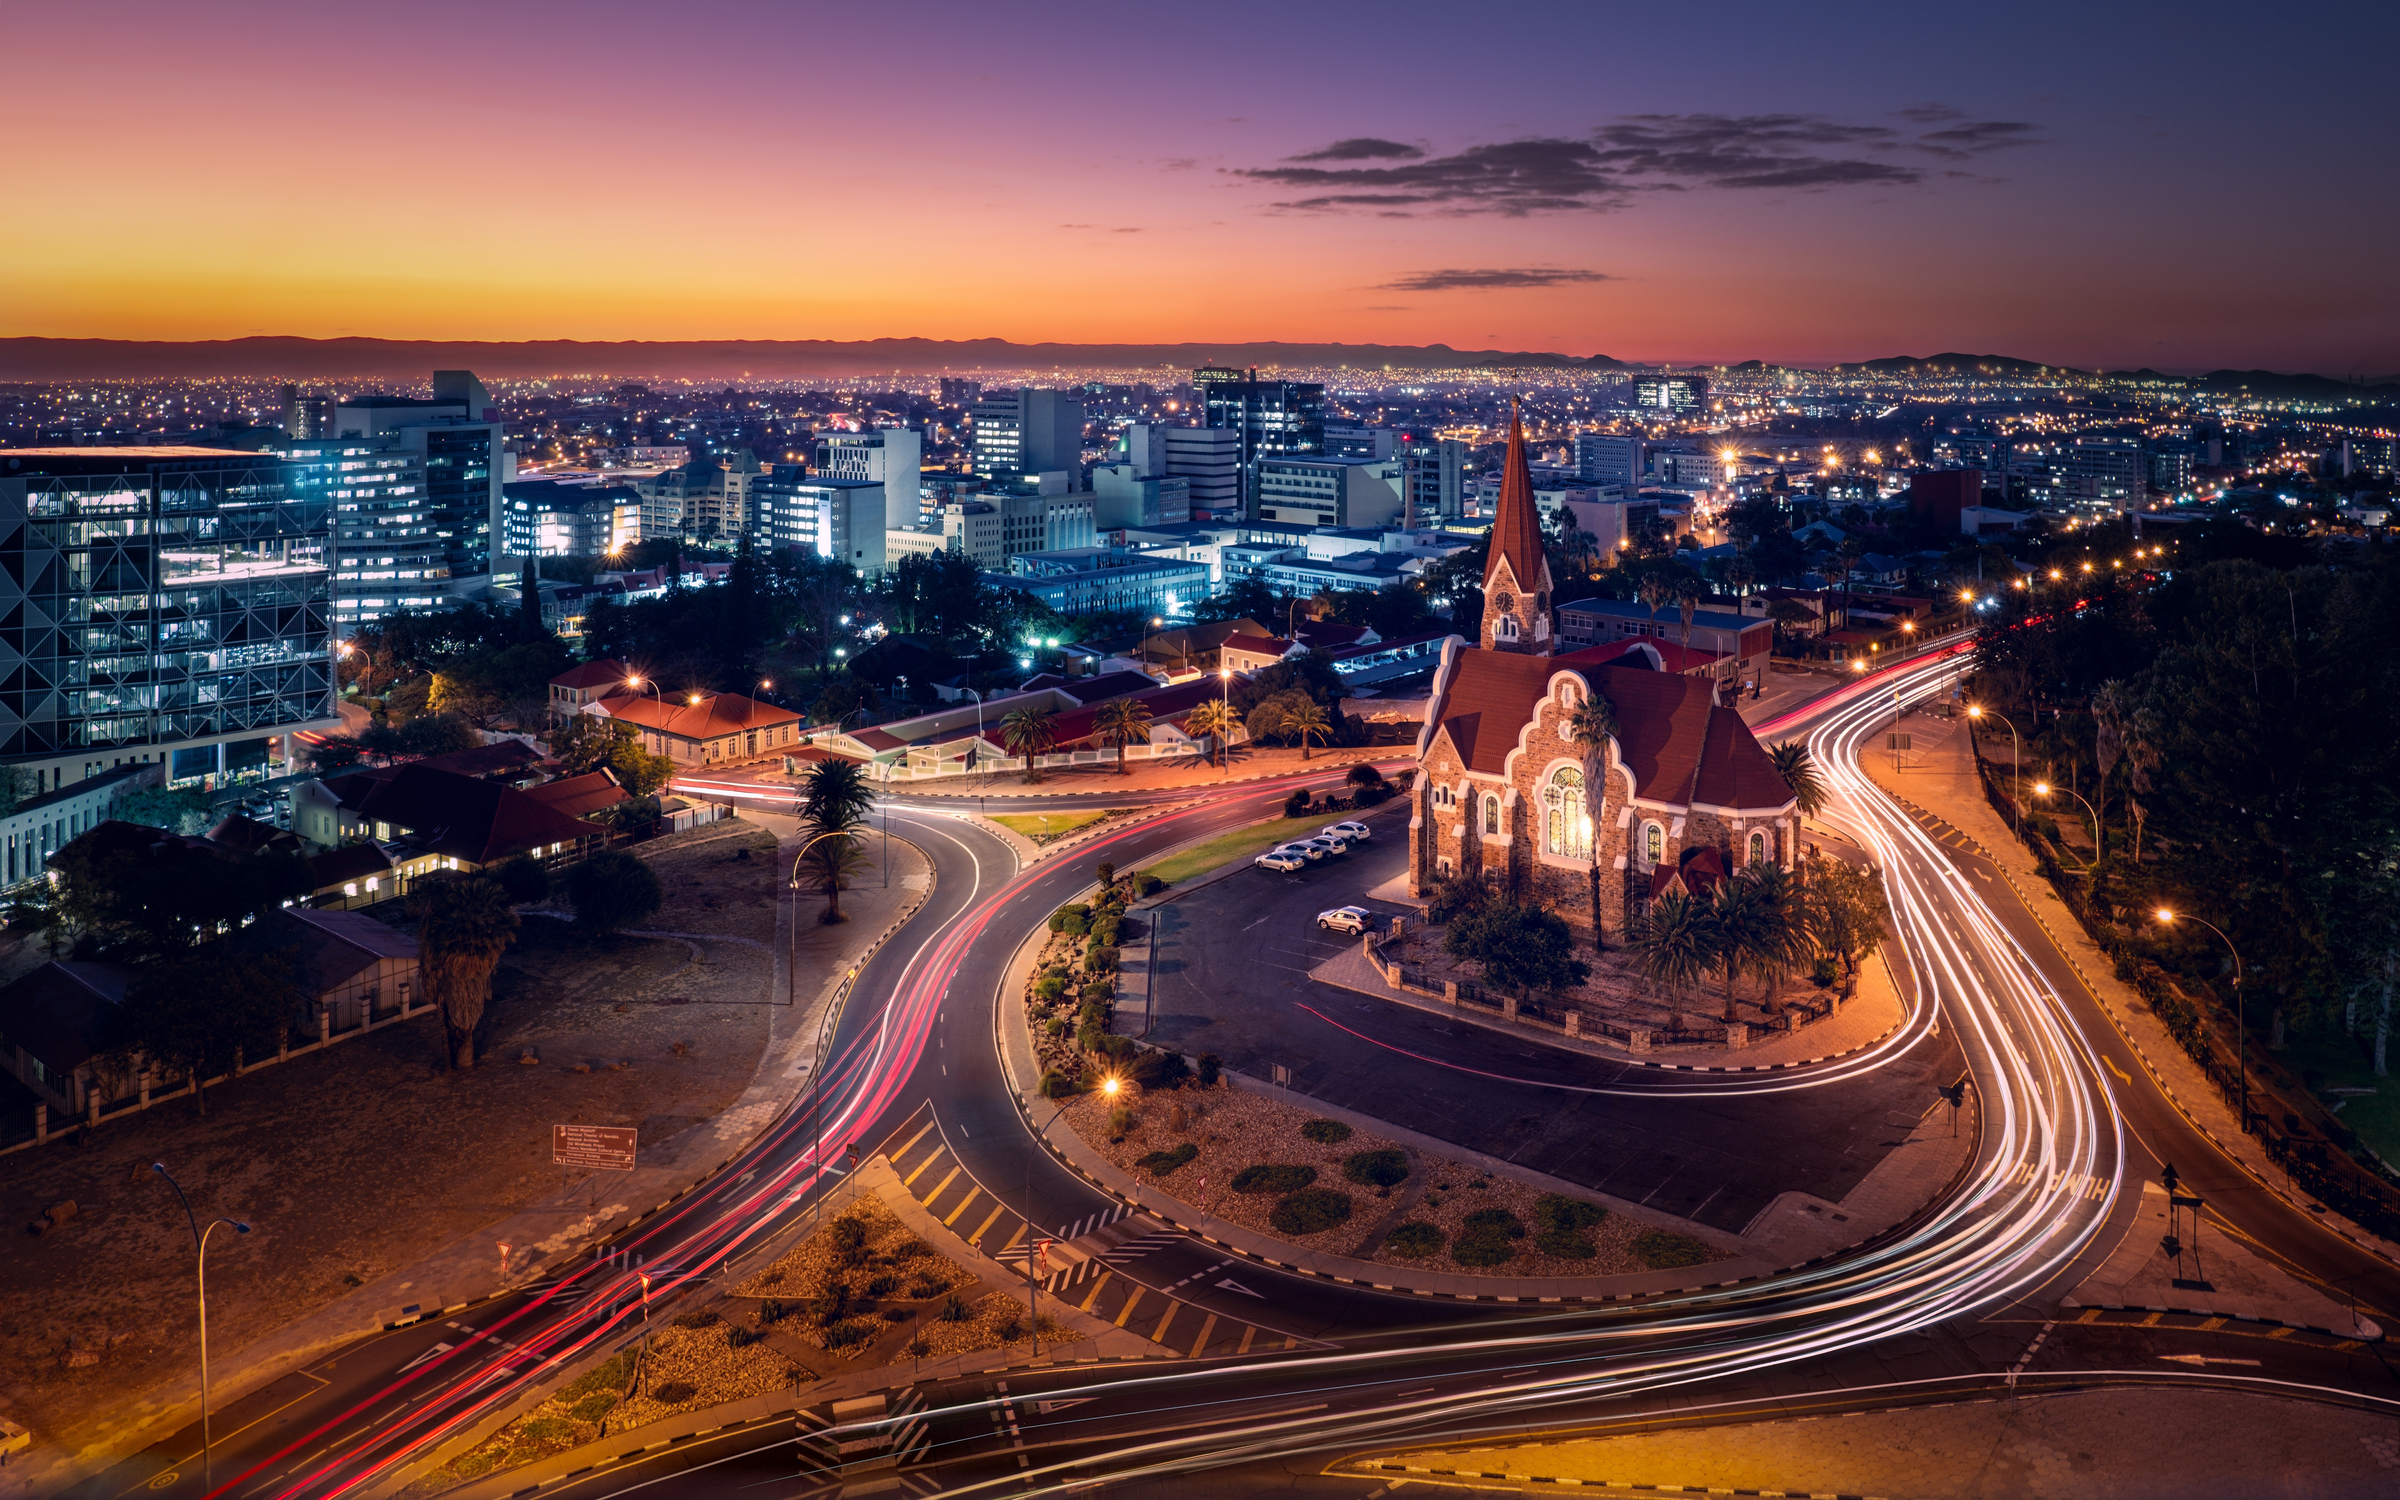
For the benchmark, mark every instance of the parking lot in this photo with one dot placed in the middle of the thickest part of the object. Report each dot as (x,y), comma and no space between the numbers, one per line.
(1232,978)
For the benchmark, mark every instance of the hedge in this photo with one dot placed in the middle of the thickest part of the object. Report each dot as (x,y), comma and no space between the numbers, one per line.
(1327,1132)
(1160,1163)
(1272,1178)
(1310,1211)
(1385,1168)
(1413,1240)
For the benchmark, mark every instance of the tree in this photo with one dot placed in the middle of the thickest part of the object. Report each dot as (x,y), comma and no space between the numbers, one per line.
(1799,772)
(1122,722)
(524,879)
(1853,916)
(1304,719)
(830,860)
(177,811)
(438,734)
(1789,942)
(835,794)
(611,891)
(1213,719)
(1672,949)
(189,1015)
(1741,932)
(1520,947)
(463,926)
(1590,728)
(592,742)
(1029,732)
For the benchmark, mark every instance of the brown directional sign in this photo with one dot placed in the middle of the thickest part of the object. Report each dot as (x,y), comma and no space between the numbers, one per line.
(607,1148)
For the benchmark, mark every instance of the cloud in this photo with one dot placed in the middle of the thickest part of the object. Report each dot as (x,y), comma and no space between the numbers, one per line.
(1632,155)
(1487,281)
(1136,229)
(1362,148)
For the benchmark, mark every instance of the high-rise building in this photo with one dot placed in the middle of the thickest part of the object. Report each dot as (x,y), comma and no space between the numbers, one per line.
(1210,460)
(1348,440)
(549,519)
(1675,393)
(960,393)
(388,554)
(1609,459)
(890,456)
(2107,471)
(1329,491)
(841,519)
(161,604)
(1432,479)
(458,437)
(305,416)
(1055,522)
(708,499)
(2171,468)
(1123,496)
(1272,417)
(1030,431)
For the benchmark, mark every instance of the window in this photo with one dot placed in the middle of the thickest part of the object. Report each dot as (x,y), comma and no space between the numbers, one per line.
(1567,824)
(1654,843)
(1491,814)
(1758,848)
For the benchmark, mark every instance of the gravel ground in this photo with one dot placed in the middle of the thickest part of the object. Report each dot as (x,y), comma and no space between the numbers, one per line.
(1233,1129)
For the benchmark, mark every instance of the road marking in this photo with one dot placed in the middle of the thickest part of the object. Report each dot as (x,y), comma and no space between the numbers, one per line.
(2122,1075)
(2205,1359)
(997,1209)
(1201,1342)
(420,1359)
(944,1183)
(1249,1332)
(1232,1285)
(1173,1307)
(973,1192)
(1012,1239)
(1094,1295)
(911,1179)
(1127,1310)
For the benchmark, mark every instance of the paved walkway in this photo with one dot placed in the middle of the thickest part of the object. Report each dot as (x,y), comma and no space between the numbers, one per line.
(1939,778)
(2128,1444)
(2220,1277)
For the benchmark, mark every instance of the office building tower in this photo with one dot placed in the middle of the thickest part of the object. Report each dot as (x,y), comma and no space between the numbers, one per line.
(841,519)
(546,518)
(1035,522)
(1122,496)
(1329,491)
(1144,445)
(306,416)
(1028,431)
(1670,393)
(2107,471)
(1432,479)
(1945,495)
(706,500)
(1272,418)
(1210,460)
(1346,440)
(890,456)
(960,393)
(2171,469)
(1609,459)
(387,552)
(160,604)
(458,437)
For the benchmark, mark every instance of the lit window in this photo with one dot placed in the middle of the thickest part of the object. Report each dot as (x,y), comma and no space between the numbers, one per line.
(1567,824)
(1491,814)
(1654,843)
(1758,848)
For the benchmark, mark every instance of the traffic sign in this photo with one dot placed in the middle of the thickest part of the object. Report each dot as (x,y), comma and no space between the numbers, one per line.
(604,1148)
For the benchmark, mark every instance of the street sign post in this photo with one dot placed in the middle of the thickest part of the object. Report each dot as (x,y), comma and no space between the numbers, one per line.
(603,1148)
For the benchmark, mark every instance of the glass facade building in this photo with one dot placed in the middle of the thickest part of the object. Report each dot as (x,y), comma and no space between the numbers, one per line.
(1273,417)
(390,553)
(160,604)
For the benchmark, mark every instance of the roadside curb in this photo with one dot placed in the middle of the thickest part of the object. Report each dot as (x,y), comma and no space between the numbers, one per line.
(2360,1335)
(1199,790)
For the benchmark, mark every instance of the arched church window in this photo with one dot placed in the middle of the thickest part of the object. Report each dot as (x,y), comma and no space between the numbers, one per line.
(1654,843)
(1491,814)
(1505,629)
(1567,823)
(1758,848)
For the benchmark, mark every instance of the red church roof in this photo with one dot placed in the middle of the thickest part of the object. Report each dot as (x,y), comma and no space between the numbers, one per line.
(1516,524)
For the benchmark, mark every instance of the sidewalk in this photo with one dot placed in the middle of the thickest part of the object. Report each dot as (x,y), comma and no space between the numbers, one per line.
(1194,773)
(554,1230)
(1875,1014)
(1939,777)
(2222,1278)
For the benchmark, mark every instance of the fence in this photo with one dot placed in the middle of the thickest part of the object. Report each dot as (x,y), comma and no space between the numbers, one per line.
(927,768)
(1547,1014)
(2320,1162)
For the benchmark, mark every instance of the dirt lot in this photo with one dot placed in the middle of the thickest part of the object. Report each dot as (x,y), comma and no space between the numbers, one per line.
(356,1162)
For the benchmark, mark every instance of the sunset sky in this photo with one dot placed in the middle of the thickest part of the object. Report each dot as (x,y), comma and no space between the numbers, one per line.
(2102,185)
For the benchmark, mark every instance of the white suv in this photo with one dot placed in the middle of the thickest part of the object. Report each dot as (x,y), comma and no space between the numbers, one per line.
(1356,833)
(1350,919)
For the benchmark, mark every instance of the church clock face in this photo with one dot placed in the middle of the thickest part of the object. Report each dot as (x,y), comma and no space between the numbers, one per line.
(1505,603)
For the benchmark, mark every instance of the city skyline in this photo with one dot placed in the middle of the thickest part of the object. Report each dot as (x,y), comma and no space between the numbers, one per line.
(2100,192)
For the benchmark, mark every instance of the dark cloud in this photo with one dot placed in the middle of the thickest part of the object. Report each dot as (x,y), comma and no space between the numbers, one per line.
(1635,154)
(1362,148)
(1486,281)
(1136,229)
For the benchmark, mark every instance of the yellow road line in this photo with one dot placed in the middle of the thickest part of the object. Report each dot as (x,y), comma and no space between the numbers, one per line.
(911,1179)
(974,1191)
(1012,1239)
(1127,1310)
(1206,1329)
(1093,1295)
(911,1141)
(941,1185)
(986,1224)
(1248,1333)
(1173,1307)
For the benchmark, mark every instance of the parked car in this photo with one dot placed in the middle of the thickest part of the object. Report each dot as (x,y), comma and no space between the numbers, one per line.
(1330,846)
(1281,860)
(1309,850)
(1357,833)
(1350,919)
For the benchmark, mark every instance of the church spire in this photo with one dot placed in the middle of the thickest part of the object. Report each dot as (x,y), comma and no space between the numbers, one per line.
(1516,578)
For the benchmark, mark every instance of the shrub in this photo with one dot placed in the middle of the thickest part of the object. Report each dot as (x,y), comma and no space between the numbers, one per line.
(1211,1068)
(1147,884)
(1373,796)
(1105,873)
(1162,1070)
(1121,1121)
(738,1337)
(1664,1249)
(831,1305)
(1160,1163)
(1297,804)
(911,1248)
(1073,912)
(697,1320)
(882,1285)
(593,1407)
(524,879)
(1057,1085)
(1413,1240)
(854,1331)
(1486,1238)
(1385,1168)
(543,1431)
(1050,988)
(1076,924)
(955,1309)
(1328,1132)
(923,1285)
(1310,1211)
(674,1392)
(1559,1222)
(613,890)
(1100,992)
(1363,774)
(850,1240)
(1102,959)
(1268,1177)
(772,1311)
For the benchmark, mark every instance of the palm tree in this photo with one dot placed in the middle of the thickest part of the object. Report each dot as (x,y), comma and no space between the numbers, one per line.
(1671,949)
(464,924)
(1741,930)
(1122,722)
(1791,939)
(1213,720)
(1029,732)
(829,861)
(836,794)
(1653,591)
(1799,772)
(1687,604)
(1304,719)
(1590,727)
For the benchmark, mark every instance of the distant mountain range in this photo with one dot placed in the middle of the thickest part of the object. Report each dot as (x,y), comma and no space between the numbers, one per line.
(405,359)
(2257,382)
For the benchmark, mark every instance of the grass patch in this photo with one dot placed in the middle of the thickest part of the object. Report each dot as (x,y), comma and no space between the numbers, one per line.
(1326,1132)
(1413,1240)
(1665,1250)
(1377,1168)
(1043,827)
(1268,1177)
(1310,1211)
(1242,843)
(1160,1163)
(1487,1238)
(2330,1059)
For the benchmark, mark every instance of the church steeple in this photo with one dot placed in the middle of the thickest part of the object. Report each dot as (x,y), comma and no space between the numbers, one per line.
(1516,579)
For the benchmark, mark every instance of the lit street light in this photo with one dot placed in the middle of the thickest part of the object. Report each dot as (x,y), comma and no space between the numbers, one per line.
(2016,768)
(2241,1028)
(2044,789)
(200,1253)
(1033,1317)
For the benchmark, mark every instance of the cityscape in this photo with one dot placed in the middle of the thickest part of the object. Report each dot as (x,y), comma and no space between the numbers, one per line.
(1567,851)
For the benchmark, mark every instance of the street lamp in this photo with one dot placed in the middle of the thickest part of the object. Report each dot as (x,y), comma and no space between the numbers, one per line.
(1033,1317)
(2016,769)
(200,1252)
(2044,789)
(2241,1021)
(638,685)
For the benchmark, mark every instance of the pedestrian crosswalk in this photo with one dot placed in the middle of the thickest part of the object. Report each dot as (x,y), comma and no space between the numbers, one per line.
(1942,831)
(1085,1264)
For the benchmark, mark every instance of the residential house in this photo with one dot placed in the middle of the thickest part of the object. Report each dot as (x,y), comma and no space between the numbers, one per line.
(704,728)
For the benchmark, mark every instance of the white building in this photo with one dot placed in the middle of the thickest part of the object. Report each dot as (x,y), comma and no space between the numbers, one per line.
(890,456)
(1314,491)
(845,519)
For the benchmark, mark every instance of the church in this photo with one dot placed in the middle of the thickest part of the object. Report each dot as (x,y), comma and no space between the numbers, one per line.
(1683,792)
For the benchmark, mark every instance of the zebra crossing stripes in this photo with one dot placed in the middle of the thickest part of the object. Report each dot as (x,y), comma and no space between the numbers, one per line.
(1139,1246)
